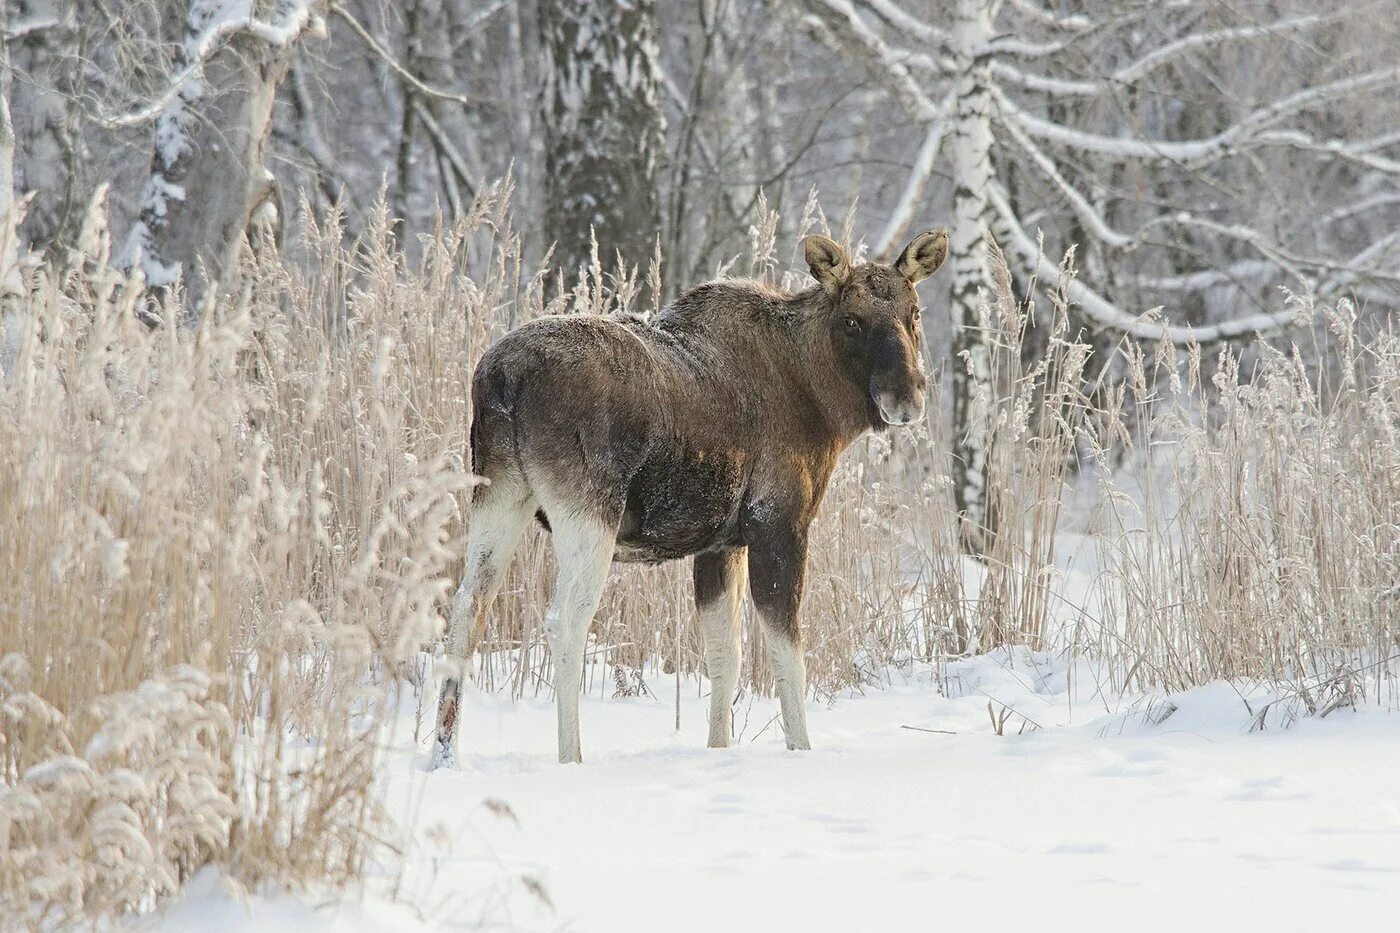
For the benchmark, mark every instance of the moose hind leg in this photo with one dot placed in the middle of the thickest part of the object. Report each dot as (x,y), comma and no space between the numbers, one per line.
(583,549)
(719,582)
(497,521)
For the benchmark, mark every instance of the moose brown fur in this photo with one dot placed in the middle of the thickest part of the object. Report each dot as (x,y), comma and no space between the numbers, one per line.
(709,430)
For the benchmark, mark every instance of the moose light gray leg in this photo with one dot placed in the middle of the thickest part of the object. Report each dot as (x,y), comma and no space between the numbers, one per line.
(498,519)
(719,582)
(583,548)
(790,682)
(777,565)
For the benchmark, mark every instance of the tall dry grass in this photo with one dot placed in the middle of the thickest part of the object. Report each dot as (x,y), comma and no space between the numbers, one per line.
(1259,536)
(222,547)
(219,546)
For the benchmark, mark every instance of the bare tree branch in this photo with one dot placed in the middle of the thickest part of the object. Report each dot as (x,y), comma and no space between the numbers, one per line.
(392,62)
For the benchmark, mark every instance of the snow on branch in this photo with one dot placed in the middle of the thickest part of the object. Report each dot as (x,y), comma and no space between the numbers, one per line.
(1064,87)
(1380,142)
(838,23)
(222,21)
(1360,268)
(1161,56)
(1197,152)
(895,17)
(919,174)
(1233,274)
(1368,203)
(1009,45)
(378,48)
(27,27)
(1068,23)
(1108,315)
(1362,153)
(1092,220)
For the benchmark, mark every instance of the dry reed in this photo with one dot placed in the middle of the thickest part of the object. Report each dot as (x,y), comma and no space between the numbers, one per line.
(221,546)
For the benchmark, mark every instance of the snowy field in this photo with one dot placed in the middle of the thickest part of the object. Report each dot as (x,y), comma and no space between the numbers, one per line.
(911,809)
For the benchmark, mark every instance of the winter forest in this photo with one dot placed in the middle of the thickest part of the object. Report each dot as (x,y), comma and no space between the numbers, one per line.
(1114,626)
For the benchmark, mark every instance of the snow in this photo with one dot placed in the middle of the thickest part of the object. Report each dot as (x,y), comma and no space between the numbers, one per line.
(213,905)
(1087,811)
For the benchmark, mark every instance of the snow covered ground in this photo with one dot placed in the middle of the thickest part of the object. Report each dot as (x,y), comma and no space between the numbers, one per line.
(909,810)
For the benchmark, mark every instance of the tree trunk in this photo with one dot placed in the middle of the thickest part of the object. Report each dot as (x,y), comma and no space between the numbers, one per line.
(603,131)
(11,286)
(51,159)
(207,176)
(969,141)
(7,157)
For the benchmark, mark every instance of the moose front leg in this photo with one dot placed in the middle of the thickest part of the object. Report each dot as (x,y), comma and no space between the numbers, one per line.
(777,565)
(719,583)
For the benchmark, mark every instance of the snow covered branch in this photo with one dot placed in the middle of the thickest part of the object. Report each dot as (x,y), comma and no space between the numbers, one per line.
(840,25)
(1067,23)
(28,27)
(1092,220)
(1108,315)
(1362,153)
(1172,50)
(910,200)
(1198,152)
(223,19)
(394,64)
(910,26)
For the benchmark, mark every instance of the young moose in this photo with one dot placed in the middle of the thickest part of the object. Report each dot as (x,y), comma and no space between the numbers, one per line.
(709,430)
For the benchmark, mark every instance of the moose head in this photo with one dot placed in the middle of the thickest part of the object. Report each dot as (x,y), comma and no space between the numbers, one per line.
(873,321)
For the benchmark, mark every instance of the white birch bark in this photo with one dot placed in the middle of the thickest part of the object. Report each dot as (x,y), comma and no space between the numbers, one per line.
(969,150)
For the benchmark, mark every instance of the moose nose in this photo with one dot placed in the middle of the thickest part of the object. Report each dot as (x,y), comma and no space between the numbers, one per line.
(896,410)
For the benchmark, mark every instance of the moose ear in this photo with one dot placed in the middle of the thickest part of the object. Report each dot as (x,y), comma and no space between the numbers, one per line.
(924,254)
(827,261)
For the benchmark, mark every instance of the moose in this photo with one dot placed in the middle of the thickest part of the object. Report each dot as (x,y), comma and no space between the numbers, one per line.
(709,430)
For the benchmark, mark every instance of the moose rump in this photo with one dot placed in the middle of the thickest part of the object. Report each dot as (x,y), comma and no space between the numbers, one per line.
(582,412)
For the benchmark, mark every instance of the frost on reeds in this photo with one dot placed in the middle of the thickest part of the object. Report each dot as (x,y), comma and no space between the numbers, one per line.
(219,547)
(1260,536)
(222,546)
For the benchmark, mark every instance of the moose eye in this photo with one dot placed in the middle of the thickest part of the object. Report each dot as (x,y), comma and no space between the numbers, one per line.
(918,313)
(852,323)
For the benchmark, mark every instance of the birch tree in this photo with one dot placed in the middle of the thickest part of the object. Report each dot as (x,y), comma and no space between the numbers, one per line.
(603,132)
(208,173)
(1136,131)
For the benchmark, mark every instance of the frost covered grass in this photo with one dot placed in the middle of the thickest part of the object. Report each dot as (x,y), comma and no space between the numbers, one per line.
(223,548)
(218,545)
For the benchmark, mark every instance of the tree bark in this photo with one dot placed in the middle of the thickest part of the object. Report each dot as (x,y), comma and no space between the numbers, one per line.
(11,286)
(603,130)
(969,147)
(51,160)
(208,177)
